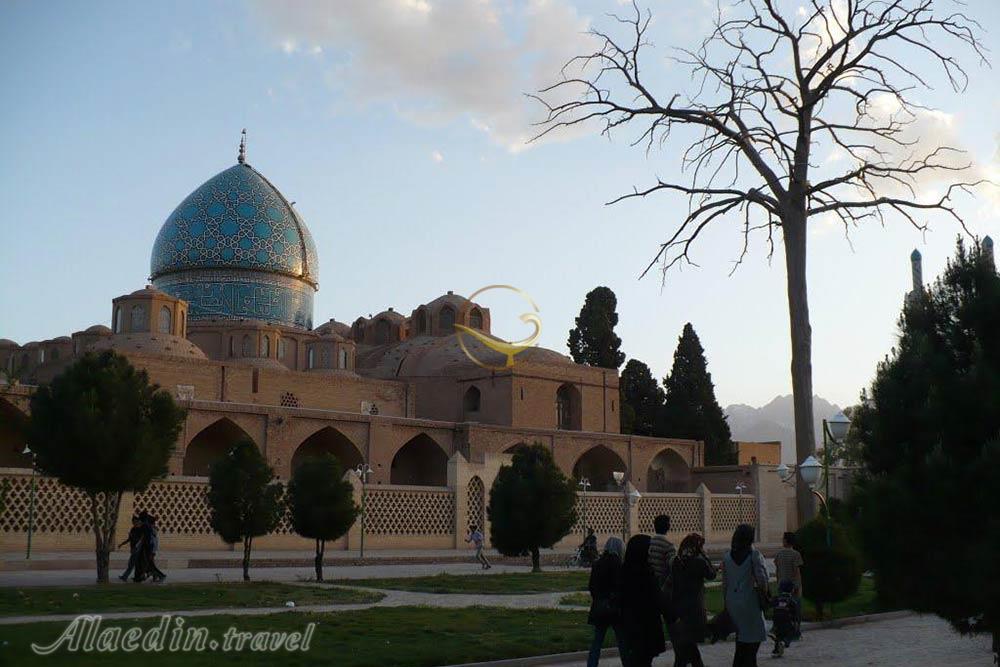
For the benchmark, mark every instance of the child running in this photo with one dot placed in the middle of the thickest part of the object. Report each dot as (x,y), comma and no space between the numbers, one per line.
(477,539)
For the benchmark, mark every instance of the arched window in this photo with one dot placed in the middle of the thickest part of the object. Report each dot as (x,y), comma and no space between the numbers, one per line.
(41,355)
(568,408)
(447,319)
(265,347)
(343,358)
(246,349)
(312,358)
(324,357)
(282,348)
(421,321)
(232,346)
(139,322)
(476,319)
(383,330)
(471,402)
(184,323)
(165,317)
(117,324)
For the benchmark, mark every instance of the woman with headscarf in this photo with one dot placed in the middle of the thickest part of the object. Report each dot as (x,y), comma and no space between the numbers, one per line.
(605,597)
(641,627)
(744,584)
(689,572)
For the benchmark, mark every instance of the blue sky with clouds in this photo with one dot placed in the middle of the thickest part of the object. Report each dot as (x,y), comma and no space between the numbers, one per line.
(397,127)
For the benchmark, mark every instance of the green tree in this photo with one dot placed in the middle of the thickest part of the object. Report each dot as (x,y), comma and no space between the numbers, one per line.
(101,427)
(690,409)
(244,499)
(641,399)
(830,573)
(593,340)
(929,427)
(321,503)
(532,504)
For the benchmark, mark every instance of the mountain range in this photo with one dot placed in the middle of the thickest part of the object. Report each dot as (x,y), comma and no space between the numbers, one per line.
(775,421)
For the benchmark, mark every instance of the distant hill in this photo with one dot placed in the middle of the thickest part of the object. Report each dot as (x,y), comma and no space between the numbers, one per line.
(775,421)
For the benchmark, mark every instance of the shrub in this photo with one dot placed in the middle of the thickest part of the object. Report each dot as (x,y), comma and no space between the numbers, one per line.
(829,573)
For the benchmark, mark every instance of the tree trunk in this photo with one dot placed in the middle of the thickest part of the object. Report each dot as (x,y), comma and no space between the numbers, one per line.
(247,542)
(320,547)
(535,560)
(104,517)
(793,225)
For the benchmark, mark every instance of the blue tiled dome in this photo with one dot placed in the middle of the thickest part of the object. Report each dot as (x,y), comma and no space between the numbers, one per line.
(236,219)
(236,249)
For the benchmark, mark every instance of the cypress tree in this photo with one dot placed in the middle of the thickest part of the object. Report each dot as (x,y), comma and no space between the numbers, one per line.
(690,409)
(641,399)
(593,340)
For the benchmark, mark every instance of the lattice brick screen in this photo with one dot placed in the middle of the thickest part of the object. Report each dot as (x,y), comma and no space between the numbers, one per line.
(58,508)
(602,512)
(477,503)
(409,512)
(684,512)
(729,511)
(181,508)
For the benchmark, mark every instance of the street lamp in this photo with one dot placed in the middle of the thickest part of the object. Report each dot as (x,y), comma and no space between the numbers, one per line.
(584,484)
(629,500)
(740,488)
(31,503)
(363,470)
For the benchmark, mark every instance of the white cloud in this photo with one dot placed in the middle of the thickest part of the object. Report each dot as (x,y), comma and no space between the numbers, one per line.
(437,157)
(438,60)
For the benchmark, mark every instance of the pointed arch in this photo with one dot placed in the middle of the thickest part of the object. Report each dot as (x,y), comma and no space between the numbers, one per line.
(210,445)
(420,462)
(668,472)
(328,440)
(568,408)
(476,498)
(446,319)
(471,403)
(513,448)
(597,464)
(13,423)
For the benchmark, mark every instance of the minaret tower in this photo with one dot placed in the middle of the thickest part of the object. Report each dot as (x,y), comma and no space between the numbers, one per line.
(916,273)
(988,250)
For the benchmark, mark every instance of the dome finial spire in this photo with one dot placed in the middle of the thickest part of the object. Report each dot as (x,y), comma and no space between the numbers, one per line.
(243,147)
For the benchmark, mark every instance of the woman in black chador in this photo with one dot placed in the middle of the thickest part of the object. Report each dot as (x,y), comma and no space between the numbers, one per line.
(641,627)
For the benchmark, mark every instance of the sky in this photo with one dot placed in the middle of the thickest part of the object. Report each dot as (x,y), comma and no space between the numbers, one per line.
(399,128)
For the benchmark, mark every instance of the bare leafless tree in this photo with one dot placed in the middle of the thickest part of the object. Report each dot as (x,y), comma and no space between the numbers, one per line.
(770,87)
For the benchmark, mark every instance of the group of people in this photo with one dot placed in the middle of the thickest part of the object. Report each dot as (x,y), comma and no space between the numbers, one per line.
(144,542)
(639,590)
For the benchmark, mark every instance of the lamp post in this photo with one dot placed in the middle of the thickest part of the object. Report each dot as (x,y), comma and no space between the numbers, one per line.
(629,500)
(584,484)
(740,488)
(31,503)
(363,470)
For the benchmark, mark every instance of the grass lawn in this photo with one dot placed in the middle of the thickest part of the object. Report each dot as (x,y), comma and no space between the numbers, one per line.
(493,584)
(861,603)
(400,636)
(89,599)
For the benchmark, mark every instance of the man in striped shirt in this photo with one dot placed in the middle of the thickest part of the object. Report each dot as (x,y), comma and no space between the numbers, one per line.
(787,563)
(661,555)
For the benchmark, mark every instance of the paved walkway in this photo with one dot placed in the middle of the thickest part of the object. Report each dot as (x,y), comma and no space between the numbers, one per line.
(25,579)
(913,641)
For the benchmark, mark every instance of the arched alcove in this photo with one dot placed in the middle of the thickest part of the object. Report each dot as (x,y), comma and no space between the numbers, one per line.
(446,319)
(210,445)
(328,440)
(568,408)
(420,462)
(668,472)
(513,448)
(597,464)
(471,403)
(476,499)
(12,437)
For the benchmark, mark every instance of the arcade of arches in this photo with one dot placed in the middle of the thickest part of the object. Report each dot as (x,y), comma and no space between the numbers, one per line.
(597,465)
(420,462)
(668,473)
(328,440)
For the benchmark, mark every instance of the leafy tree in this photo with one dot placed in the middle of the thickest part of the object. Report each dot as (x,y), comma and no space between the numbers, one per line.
(641,399)
(774,86)
(101,427)
(690,409)
(830,573)
(929,427)
(593,340)
(321,503)
(244,499)
(532,504)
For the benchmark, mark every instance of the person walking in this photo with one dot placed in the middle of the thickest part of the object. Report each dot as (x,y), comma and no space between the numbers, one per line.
(689,572)
(744,589)
(642,631)
(134,540)
(476,537)
(605,597)
(661,555)
(151,545)
(788,563)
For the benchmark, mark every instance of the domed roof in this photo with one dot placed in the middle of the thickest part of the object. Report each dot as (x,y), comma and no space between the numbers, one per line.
(236,219)
(333,326)
(6,342)
(150,343)
(97,329)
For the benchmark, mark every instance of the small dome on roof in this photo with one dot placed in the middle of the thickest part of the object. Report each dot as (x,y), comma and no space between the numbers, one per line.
(334,326)
(390,314)
(97,329)
(62,339)
(150,343)
(6,342)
